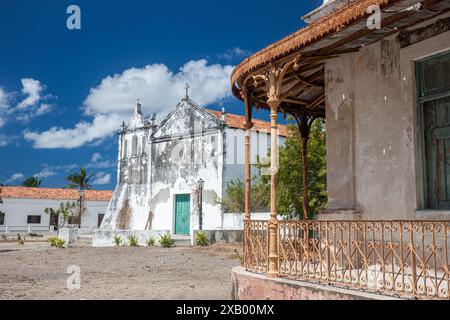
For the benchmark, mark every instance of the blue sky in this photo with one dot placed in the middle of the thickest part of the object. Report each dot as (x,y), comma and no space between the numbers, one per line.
(62,92)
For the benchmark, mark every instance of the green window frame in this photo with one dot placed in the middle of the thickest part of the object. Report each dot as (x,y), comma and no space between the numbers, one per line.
(425,94)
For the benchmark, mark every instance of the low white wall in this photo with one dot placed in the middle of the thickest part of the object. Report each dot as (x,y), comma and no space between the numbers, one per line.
(105,238)
(16,211)
(235,221)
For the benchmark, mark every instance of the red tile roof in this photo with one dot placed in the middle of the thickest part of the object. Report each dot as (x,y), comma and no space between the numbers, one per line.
(54,193)
(237,121)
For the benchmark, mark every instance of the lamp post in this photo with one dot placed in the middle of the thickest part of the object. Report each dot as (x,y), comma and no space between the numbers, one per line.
(201,184)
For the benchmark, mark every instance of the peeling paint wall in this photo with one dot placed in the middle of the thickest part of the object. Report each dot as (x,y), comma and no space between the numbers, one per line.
(157,163)
(371,135)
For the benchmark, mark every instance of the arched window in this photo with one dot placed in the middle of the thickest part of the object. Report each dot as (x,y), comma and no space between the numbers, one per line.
(125,149)
(144,144)
(134,143)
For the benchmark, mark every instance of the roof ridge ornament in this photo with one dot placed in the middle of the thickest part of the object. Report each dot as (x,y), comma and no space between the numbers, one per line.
(186,88)
(138,108)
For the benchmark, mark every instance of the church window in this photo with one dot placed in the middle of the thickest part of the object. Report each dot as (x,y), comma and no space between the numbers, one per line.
(134,143)
(144,144)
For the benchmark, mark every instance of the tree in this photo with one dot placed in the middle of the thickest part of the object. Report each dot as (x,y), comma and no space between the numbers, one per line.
(290,182)
(65,211)
(234,200)
(32,182)
(80,180)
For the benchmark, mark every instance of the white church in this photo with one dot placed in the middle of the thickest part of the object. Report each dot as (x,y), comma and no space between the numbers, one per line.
(160,165)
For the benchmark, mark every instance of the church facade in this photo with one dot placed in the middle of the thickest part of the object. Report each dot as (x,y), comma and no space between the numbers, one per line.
(159,166)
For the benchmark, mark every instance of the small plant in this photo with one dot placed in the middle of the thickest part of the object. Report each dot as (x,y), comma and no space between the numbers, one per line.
(56,242)
(133,240)
(201,239)
(52,240)
(150,242)
(165,240)
(238,255)
(117,240)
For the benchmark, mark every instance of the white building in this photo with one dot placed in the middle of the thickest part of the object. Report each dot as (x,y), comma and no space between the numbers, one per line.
(159,167)
(23,207)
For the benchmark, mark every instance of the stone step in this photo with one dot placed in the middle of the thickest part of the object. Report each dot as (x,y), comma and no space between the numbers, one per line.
(181,240)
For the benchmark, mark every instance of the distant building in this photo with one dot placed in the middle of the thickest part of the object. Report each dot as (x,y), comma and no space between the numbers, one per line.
(159,166)
(24,206)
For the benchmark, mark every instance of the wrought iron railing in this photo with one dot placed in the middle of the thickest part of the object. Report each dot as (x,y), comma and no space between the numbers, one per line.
(256,245)
(401,258)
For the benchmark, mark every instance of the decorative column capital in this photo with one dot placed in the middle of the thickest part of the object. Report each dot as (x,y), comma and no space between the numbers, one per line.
(274,105)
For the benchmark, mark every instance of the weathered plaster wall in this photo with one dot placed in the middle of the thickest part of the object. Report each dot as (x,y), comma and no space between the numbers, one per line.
(371,135)
(253,286)
(187,147)
(189,144)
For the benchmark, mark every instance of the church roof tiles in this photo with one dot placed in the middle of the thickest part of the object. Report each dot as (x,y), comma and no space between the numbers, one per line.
(237,121)
(54,194)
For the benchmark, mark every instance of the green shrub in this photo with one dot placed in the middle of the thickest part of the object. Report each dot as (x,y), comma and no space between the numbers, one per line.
(165,240)
(201,239)
(117,240)
(52,240)
(56,242)
(133,240)
(150,242)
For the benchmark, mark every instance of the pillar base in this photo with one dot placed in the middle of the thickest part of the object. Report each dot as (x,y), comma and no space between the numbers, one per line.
(341,213)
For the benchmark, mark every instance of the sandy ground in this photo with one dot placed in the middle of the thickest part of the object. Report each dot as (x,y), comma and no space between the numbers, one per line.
(37,271)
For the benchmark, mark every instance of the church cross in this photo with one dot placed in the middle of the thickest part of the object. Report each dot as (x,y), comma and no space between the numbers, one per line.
(186,87)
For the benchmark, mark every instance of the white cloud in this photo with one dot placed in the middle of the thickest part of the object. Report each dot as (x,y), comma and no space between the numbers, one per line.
(113,100)
(97,162)
(44,173)
(4,106)
(43,109)
(84,132)
(102,178)
(96,157)
(4,140)
(235,53)
(32,89)
(33,103)
(15,177)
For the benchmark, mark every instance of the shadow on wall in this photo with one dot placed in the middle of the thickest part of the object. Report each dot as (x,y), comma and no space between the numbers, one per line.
(125,214)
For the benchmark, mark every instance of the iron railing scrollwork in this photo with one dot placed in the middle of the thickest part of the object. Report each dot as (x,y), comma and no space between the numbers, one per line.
(400,258)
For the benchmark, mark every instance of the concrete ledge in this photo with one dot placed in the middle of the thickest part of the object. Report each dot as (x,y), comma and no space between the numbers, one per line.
(227,236)
(105,238)
(253,286)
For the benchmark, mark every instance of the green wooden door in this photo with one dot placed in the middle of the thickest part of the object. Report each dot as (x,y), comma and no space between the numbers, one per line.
(437,142)
(182,213)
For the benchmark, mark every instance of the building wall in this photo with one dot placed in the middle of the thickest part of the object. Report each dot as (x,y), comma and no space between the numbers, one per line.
(371,128)
(170,177)
(234,163)
(16,211)
(188,145)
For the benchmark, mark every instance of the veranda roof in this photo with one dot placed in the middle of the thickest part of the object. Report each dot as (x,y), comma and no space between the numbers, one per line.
(342,31)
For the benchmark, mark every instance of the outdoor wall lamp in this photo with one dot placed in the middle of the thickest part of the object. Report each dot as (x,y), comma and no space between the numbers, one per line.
(200,184)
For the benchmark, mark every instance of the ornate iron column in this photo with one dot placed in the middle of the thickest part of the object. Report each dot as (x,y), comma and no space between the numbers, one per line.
(273,222)
(248,125)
